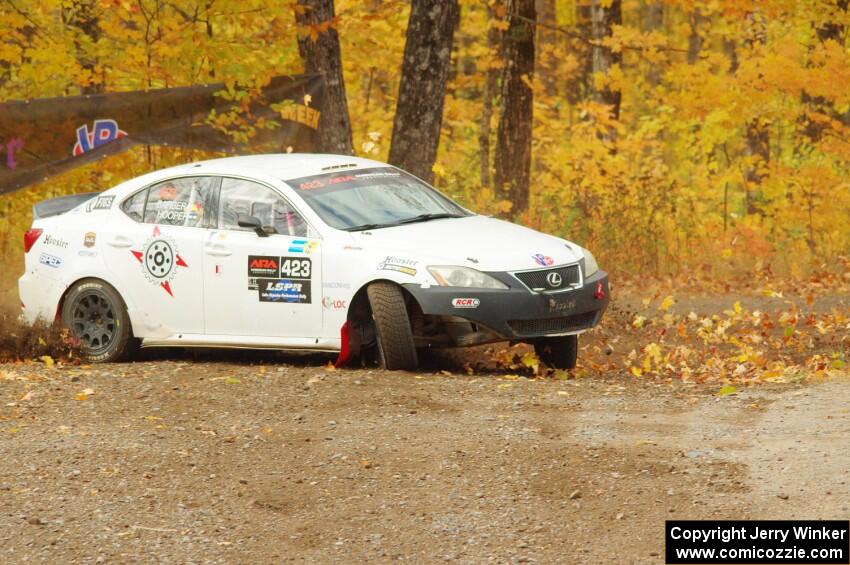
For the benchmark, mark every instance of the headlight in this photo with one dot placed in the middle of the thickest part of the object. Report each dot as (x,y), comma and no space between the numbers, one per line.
(448,275)
(590,266)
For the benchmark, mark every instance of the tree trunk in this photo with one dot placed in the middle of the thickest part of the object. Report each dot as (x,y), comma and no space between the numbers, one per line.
(602,21)
(491,78)
(758,129)
(424,72)
(85,19)
(695,39)
(582,87)
(829,31)
(652,19)
(322,55)
(513,141)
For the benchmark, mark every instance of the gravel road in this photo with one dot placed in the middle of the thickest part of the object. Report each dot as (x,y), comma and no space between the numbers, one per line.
(253,459)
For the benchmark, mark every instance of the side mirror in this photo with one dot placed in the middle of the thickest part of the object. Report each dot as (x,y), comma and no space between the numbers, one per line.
(246,221)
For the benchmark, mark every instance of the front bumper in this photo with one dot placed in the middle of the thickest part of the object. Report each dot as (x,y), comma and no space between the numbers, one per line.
(518,313)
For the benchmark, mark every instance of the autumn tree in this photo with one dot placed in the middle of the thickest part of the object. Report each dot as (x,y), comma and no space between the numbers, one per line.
(513,141)
(419,111)
(318,43)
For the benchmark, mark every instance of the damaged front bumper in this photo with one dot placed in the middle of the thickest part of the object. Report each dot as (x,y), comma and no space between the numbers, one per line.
(473,316)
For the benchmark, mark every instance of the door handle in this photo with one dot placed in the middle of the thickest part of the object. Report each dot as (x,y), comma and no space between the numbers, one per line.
(120,241)
(217,250)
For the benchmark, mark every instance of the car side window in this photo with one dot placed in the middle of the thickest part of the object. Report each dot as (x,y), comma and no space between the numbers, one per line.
(135,205)
(180,202)
(250,198)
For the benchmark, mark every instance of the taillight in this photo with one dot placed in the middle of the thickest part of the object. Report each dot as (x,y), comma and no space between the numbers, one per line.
(30,237)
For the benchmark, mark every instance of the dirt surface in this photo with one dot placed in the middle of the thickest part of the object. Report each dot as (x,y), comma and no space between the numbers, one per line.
(218,458)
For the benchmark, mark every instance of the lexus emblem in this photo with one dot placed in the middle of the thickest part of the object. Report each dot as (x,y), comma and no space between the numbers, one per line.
(554,279)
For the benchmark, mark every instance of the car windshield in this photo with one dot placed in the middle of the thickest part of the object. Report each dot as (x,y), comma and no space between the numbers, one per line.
(373,198)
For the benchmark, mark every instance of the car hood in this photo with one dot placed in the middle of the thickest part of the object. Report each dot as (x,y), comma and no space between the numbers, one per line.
(486,244)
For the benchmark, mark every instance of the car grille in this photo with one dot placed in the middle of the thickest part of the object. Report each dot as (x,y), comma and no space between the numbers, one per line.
(552,325)
(538,280)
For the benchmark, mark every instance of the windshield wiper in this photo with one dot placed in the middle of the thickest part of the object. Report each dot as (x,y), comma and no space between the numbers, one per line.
(426,217)
(367,227)
(414,219)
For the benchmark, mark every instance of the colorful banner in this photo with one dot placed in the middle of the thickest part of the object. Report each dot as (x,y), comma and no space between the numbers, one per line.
(44,137)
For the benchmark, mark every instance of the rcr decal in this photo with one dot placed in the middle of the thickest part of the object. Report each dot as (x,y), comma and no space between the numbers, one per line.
(89,239)
(159,259)
(333,303)
(466,302)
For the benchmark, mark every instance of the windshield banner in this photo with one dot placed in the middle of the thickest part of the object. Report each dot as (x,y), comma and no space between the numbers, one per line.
(44,137)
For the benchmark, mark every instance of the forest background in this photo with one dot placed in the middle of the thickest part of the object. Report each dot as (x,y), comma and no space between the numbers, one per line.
(673,138)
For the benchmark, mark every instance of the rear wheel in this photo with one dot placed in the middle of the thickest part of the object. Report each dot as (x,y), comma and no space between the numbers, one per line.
(396,350)
(96,316)
(559,352)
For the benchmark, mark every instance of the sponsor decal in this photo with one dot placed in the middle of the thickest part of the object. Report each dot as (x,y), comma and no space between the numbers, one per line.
(400,268)
(399,264)
(336,284)
(13,145)
(337,180)
(171,211)
(333,303)
(465,302)
(103,202)
(50,260)
(311,184)
(284,290)
(543,260)
(103,131)
(89,239)
(159,259)
(217,269)
(55,241)
(280,279)
(262,266)
(302,114)
(302,246)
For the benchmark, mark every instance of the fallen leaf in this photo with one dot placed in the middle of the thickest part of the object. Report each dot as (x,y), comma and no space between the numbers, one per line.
(727,390)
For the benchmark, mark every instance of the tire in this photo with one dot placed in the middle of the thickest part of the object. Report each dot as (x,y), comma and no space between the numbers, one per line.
(396,350)
(558,352)
(96,315)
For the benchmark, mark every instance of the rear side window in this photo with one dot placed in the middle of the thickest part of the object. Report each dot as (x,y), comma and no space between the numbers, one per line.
(135,205)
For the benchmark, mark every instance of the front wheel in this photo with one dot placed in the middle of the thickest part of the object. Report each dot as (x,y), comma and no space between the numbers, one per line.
(396,349)
(96,316)
(559,352)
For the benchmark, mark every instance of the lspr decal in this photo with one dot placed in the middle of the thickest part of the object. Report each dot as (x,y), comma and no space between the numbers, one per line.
(102,132)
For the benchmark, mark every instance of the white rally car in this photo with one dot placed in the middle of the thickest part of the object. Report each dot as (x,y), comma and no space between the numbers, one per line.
(301,252)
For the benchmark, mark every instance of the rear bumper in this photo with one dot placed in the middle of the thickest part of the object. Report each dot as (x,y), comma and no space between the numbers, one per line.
(518,313)
(39,297)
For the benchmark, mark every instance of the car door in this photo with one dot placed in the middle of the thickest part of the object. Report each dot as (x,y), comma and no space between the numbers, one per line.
(261,286)
(155,250)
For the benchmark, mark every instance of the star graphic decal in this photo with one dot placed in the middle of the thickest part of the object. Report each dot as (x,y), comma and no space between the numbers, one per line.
(159,259)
